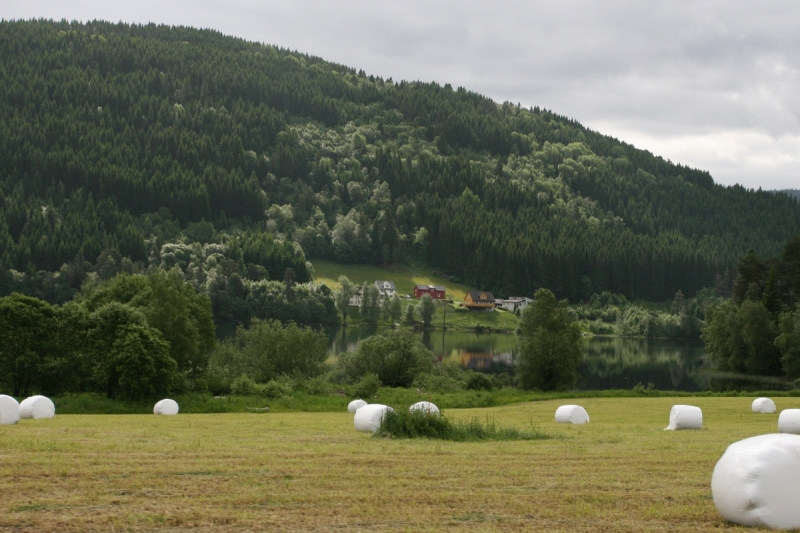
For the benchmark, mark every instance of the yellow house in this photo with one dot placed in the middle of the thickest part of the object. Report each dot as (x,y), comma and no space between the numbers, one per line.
(479,300)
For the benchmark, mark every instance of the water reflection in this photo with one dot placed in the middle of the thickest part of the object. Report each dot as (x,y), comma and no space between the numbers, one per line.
(608,362)
(620,363)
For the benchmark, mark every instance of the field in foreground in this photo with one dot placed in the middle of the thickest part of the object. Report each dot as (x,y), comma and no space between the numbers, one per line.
(313,472)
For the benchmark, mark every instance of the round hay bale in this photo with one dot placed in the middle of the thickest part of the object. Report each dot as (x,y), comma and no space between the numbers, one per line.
(355,405)
(37,407)
(369,417)
(685,417)
(763,405)
(9,410)
(572,414)
(757,480)
(426,407)
(789,421)
(166,407)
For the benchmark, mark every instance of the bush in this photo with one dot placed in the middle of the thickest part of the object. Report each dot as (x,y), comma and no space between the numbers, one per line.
(277,388)
(245,386)
(367,387)
(478,381)
(438,383)
(318,386)
(444,377)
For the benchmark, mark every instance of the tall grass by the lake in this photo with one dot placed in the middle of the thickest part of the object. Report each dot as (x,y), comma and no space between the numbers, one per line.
(419,424)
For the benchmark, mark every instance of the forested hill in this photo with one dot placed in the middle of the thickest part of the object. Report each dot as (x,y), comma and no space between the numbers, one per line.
(123,147)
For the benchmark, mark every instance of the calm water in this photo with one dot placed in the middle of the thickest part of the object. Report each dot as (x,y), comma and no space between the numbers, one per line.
(608,362)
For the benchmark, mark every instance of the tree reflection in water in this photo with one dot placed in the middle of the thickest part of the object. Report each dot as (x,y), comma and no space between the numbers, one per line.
(622,363)
(608,362)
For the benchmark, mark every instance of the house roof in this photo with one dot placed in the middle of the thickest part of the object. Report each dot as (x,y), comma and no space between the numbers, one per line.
(429,287)
(385,284)
(476,296)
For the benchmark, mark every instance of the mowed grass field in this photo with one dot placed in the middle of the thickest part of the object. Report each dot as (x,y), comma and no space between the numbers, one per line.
(314,472)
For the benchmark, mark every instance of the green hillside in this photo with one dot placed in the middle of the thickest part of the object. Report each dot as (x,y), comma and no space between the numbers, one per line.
(125,147)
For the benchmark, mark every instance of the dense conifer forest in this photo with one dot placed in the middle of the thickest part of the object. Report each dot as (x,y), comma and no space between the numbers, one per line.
(125,148)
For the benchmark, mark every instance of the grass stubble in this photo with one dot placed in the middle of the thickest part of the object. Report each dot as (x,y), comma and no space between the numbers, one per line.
(314,472)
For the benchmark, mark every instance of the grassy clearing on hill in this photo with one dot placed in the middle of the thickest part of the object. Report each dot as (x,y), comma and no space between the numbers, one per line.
(313,472)
(404,278)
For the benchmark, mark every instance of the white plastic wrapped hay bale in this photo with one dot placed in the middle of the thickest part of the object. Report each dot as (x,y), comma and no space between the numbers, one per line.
(9,410)
(685,417)
(369,417)
(355,405)
(166,407)
(763,405)
(37,407)
(789,421)
(757,480)
(425,407)
(572,414)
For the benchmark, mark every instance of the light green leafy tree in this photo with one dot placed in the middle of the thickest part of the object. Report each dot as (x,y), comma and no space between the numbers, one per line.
(395,308)
(411,313)
(342,295)
(426,309)
(370,303)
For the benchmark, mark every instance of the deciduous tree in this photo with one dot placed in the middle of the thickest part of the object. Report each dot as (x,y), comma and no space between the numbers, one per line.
(551,344)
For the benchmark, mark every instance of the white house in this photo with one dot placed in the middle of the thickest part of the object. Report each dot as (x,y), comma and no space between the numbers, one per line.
(513,303)
(386,288)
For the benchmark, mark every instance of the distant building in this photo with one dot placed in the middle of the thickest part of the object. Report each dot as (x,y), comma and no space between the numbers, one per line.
(386,288)
(479,300)
(514,303)
(436,291)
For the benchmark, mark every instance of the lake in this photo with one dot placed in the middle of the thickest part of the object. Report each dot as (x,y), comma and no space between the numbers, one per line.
(608,362)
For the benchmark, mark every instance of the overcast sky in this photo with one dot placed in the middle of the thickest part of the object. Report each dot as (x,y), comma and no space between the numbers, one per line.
(710,84)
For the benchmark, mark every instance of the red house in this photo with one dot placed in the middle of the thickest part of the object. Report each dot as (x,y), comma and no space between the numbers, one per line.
(436,291)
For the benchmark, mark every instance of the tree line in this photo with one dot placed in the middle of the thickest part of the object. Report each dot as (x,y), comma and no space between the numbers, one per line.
(756,332)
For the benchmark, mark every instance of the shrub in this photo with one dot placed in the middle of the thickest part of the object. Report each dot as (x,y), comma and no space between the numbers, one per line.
(444,377)
(318,386)
(245,386)
(367,387)
(438,383)
(478,381)
(276,388)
